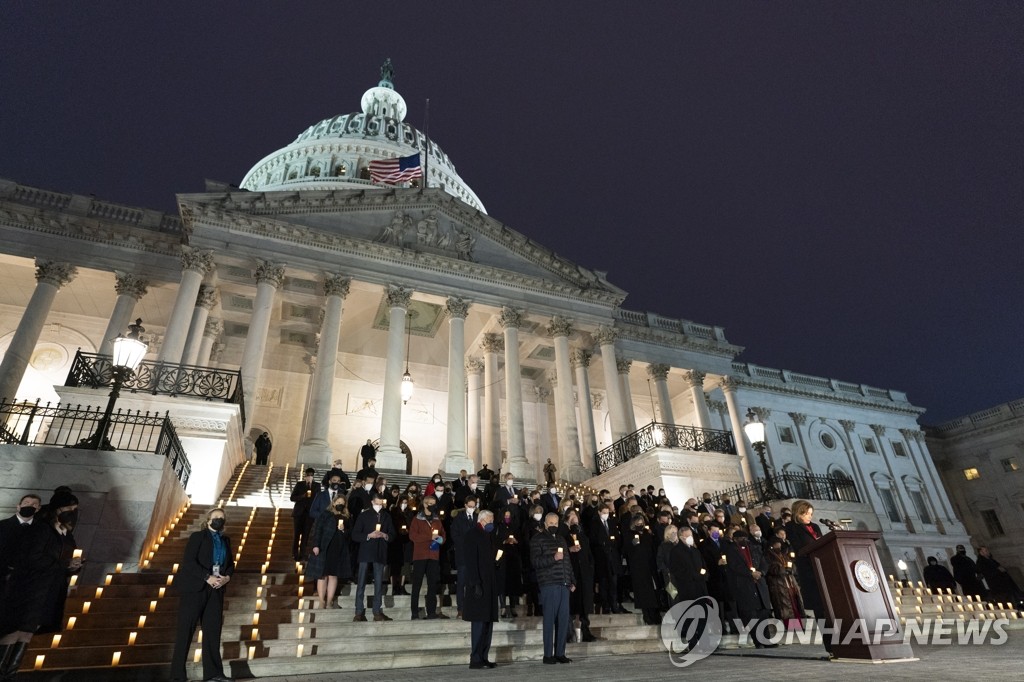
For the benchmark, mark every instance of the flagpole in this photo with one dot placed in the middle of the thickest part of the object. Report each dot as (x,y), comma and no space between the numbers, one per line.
(426,154)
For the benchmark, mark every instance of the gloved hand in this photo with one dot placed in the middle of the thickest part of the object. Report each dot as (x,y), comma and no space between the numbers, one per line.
(478,591)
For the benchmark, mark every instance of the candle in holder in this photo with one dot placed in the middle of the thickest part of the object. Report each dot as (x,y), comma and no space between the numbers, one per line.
(76,554)
(403,528)
(559,552)
(434,532)
(131,638)
(703,571)
(71,622)
(116,658)
(377,528)
(442,512)
(724,560)
(498,557)
(309,493)
(118,567)
(85,607)
(752,569)
(575,540)
(341,524)
(142,622)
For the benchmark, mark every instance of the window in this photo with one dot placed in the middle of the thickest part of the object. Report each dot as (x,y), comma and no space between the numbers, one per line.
(897,447)
(827,440)
(917,498)
(972,473)
(786,435)
(992,525)
(1010,464)
(869,446)
(889,502)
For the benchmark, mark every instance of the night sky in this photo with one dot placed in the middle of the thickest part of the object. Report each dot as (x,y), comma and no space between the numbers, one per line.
(839,185)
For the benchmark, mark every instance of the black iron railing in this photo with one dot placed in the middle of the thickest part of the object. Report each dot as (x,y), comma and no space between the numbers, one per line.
(793,485)
(658,435)
(209,383)
(27,423)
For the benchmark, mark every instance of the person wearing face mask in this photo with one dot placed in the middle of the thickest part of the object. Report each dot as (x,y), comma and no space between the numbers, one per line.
(743,517)
(13,529)
(480,606)
(427,534)
(533,526)
(336,470)
(666,591)
(400,551)
(508,537)
(783,588)
(373,530)
(604,543)
(745,569)
(329,560)
(581,601)
(686,566)
(507,493)
(471,487)
(359,498)
(323,499)
(965,572)
(369,472)
(303,494)
(37,586)
(549,555)
(462,521)
(765,522)
(550,500)
(206,567)
(707,505)
(435,482)
(638,547)
(712,550)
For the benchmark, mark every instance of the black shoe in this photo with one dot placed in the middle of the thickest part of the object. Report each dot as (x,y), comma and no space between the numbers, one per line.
(587,635)
(416,616)
(563,659)
(492,664)
(620,609)
(550,660)
(219,678)
(477,666)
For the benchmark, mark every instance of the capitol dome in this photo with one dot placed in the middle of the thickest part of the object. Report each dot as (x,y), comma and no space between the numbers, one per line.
(335,153)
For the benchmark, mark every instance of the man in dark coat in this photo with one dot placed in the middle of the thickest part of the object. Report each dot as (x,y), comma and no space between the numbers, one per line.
(507,493)
(206,568)
(12,531)
(638,547)
(581,602)
(1001,586)
(367,452)
(604,543)
(485,473)
(302,498)
(966,573)
(550,501)
(337,469)
(549,555)
(373,530)
(462,521)
(480,606)
(712,551)
(687,568)
(745,572)
(938,577)
(263,447)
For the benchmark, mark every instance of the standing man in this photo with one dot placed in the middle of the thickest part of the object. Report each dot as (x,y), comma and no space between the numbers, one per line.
(13,529)
(427,534)
(481,603)
(302,499)
(550,557)
(463,521)
(745,570)
(549,472)
(367,452)
(550,500)
(373,530)
(263,447)
(206,568)
(965,571)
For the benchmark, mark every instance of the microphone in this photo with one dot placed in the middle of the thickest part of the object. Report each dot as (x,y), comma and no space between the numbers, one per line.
(832,525)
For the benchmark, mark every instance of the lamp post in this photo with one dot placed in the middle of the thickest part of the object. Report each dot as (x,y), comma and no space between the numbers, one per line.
(128,353)
(754,428)
(407,382)
(902,565)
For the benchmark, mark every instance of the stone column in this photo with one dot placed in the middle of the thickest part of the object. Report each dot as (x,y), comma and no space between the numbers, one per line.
(491,445)
(510,320)
(130,289)
(605,337)
(570,466)
(50,277)
(543,431)
(205,300)
(268,277)
(719,408)
(729,386)
(695,382)
(455,457)
(475,371)
(660,375)
(212,329)
(194,264)
(933,475)
(389,454)
(799,419)
(580,361)
(622,366)
(317,446)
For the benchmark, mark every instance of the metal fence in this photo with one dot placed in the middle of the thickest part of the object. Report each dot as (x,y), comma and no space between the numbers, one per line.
(792,485)
(27,423)
(209,383)
(658,435)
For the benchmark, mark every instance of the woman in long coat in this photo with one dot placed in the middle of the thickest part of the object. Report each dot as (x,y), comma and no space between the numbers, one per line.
(510,567)
(400,551)
(329,559)
(32,601)
(783,587)
(638,546)
(480,606)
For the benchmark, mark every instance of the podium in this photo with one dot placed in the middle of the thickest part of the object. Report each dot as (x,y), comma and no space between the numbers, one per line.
(856,597)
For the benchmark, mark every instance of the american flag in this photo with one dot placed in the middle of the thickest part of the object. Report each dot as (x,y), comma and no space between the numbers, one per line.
(394,171)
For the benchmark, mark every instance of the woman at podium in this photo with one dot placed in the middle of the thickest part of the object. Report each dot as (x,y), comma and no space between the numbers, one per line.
(802,531)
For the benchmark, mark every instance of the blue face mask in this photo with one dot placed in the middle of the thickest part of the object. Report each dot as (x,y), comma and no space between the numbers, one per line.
(715,535)
(488,527)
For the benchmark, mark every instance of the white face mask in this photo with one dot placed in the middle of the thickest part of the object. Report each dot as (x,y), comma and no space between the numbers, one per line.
(368,487)
(377,508)
(472,486)
(757,536)
(470,510)
(604,517)
(554,491)
(688,540)
(742,509)
(537,517)
(404,506)
(439,492)
(436,481)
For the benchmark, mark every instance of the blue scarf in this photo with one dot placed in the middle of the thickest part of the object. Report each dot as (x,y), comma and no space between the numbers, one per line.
(220,550)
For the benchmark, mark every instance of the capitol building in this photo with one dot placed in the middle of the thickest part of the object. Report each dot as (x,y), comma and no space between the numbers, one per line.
(310,303)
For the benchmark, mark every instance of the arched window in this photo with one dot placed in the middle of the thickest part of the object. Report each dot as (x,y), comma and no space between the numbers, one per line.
(843,486)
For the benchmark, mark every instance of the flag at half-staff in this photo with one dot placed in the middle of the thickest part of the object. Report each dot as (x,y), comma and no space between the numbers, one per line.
(394,171)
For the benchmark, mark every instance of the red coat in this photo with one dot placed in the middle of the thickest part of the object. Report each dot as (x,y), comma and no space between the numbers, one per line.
(421,532)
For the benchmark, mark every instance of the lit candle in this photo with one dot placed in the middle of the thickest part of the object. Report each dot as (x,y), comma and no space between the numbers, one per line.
(255,634)
(559,551)
(302,632)
(162,592)
(434,533)
(198,656)
(71,622)
(116,658)
(703,571)
(442,512)
(752,569)
(724,560)
(145,564)
(39,662)
(263,580)
(76,554)
(575,540)
(252,652)
(131,638)
(377,528)
(298,651)
(200,636)
(142,622)
(302,616)
(301,590)
(118,567)
(85,607)
(152,606)
(403,527)
(74,580)
(106,580)
(498,557)
(55,642)
(99,592)
(170,579)
(259,604)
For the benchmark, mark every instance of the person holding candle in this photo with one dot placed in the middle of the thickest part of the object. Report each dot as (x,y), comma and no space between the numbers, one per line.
(800,532)
(303,494)
(373,530)
(13,529)
(480,606)
(640,557)
(329,560)
(549,555)
(604,542)
(687,569)
(508,536)
(32,601)
(427,533)
(745,570)
(783,588)
(581,602)
(206,567)
(400,551)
